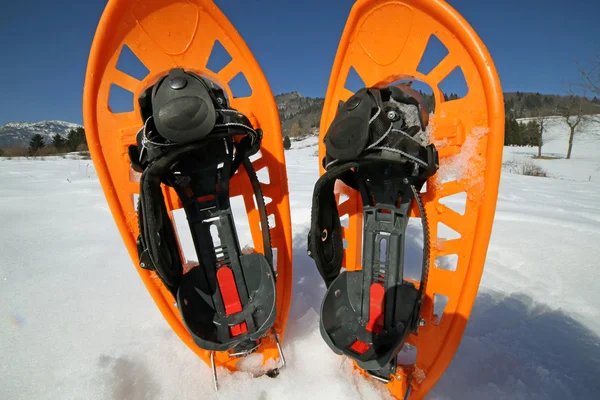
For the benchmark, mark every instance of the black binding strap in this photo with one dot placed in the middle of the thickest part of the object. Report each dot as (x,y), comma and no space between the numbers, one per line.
(375,146)
(228,300)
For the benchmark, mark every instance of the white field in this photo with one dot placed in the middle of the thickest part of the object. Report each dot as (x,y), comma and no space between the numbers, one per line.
(77,323)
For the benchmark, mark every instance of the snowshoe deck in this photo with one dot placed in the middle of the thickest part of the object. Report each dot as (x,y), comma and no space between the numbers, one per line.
(231,303)
(384,42)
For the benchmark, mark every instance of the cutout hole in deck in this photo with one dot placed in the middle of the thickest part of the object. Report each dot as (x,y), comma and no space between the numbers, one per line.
(447,233)
(120,100)
(435,52)
(454,86)
(448,262)
(263,175)
(239,86)
(130,64)
(439,306)
(407,356)
(456,202)
(353,81)
(219,58)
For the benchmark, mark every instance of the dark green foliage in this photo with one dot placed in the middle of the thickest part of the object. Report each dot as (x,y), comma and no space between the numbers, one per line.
(287,143)
(1,153)
(75,137)
(58,141)
(516,134)
(36,143)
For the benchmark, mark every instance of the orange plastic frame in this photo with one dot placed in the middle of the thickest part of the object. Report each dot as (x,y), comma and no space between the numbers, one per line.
(165,34)
(384,41)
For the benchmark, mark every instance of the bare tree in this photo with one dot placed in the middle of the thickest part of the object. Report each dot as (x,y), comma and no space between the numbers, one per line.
(541,140)
(572,114)
(590,77)
(294,131)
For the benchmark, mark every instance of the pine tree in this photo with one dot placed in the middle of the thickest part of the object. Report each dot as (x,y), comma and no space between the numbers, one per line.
(58,141)
(75,137)
(36,143)
(287,143)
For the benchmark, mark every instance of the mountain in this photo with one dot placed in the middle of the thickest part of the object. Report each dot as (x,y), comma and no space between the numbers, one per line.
(300,116)
(18,134)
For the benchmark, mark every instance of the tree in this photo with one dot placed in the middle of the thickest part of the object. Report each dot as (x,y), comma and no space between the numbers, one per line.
(36,143)
(540,134)
(75,137)
(294,130)
(572,114)
(511,128)
(530,133)
(287,143)
(590,77)
(58,141)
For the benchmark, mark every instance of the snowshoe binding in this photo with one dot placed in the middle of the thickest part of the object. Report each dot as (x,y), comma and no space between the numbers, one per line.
(377,146)
(194,142)
(378,168)
(200,145)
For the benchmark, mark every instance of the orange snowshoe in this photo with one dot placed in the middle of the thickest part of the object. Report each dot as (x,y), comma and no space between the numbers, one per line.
(185,140)
(385,160)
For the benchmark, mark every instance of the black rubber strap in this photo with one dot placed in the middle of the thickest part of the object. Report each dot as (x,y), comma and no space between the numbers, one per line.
(262,208)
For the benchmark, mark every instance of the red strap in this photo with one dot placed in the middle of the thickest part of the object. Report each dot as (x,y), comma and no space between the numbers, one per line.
(375,324)
(376,306)
(231,298)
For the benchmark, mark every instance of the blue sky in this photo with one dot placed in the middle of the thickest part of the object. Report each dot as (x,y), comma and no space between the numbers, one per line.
(44,46)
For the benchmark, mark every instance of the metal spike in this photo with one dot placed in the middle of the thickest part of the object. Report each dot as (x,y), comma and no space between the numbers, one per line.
(214,371)
(344,358)
(281,356)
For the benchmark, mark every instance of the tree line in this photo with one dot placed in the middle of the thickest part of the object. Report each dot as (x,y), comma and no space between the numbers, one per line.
(75,140)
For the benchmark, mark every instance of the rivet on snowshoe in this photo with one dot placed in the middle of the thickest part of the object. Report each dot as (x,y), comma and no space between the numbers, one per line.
(352,103)
(177,83)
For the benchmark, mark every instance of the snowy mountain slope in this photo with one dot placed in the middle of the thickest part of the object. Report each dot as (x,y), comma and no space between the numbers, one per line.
(19,133)
(76,321)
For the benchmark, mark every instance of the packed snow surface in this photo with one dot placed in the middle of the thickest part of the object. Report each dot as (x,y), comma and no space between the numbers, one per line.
(77,323)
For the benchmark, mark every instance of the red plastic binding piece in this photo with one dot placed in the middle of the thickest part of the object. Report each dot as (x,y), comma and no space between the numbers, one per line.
(231,298)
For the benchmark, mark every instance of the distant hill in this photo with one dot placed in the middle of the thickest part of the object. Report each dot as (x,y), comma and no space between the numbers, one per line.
(301,116)
(18,134)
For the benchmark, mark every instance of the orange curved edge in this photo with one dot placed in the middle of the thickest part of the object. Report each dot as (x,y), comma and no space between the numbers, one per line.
(438,340)
(108,134)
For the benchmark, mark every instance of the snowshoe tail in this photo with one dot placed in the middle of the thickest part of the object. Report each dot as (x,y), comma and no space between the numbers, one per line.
(153,159)
(384,161)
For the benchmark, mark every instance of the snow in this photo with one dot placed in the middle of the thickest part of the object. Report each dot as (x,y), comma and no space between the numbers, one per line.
(77,323)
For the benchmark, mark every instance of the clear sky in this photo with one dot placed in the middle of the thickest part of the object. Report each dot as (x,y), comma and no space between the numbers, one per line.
(44,46)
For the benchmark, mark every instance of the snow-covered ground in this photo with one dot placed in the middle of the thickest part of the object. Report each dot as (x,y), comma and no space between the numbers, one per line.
(77,323)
